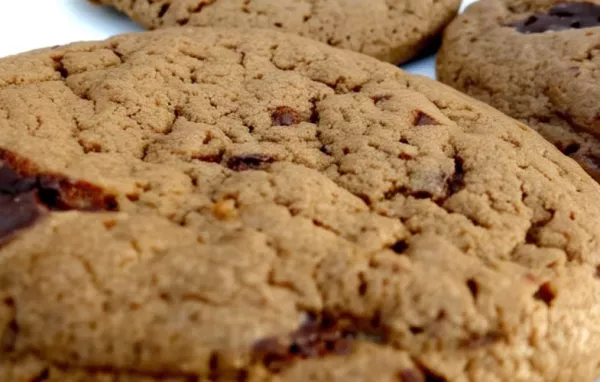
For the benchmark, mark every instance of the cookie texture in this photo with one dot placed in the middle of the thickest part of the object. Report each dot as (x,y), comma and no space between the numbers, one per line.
(537,61)
(200,204)
(390,30)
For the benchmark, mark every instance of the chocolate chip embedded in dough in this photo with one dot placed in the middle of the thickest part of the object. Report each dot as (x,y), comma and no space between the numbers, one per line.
(562,16)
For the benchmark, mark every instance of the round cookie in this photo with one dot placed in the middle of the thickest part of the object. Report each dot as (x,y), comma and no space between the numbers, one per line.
(199,204)
(390,30)
(538,61)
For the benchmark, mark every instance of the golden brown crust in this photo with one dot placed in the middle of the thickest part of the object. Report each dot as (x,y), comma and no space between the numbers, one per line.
(391,30)
(287,212)
(547,80)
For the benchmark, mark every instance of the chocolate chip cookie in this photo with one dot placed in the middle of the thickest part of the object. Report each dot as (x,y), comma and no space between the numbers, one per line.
(391,30)
(197,204)
(538,61)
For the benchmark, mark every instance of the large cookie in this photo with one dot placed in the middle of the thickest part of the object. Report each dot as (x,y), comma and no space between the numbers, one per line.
(216,205)
(391,30)
(538,61)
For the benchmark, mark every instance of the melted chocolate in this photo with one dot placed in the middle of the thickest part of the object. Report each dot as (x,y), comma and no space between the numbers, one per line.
(25,198)
(318,337)
(562,16)
(249,162)
(285,116)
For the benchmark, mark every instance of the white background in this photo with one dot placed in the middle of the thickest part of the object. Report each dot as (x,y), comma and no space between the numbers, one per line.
(32,24)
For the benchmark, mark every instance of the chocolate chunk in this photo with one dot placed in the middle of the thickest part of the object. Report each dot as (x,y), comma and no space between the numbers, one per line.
(314,112)
(285,116)
(400,247)
(198,8)
(422,195)
(13,184)
(17,212)
(457,181)
(546,293)
(249,162)
(163,10)
(49,193)
(571,148)
(24,198)
(430,376)
(392,192)
(380,99)
(423,119)
(42,376)
(473,288)
(318,337)
(60,194)
(561,17)
(18,201)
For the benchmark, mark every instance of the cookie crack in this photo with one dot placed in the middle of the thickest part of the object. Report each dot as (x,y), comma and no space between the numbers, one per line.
(336,85)
(59,67)
(92,276)
(273,282)
(10,334)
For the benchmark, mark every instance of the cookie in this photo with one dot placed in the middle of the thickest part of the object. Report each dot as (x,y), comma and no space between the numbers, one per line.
(537,61)
(390,30)
(197,204)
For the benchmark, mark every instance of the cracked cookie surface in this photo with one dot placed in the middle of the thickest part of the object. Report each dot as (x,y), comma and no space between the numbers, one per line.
(537,61)
(391,30)
(215,205)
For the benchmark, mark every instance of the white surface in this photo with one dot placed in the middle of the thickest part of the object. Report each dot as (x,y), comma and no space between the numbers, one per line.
(32,24)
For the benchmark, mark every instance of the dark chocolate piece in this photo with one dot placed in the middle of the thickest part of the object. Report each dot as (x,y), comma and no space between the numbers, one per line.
(285,116)
(423,119)
(249,162)
(318,337)
(561,17)
(24,198)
